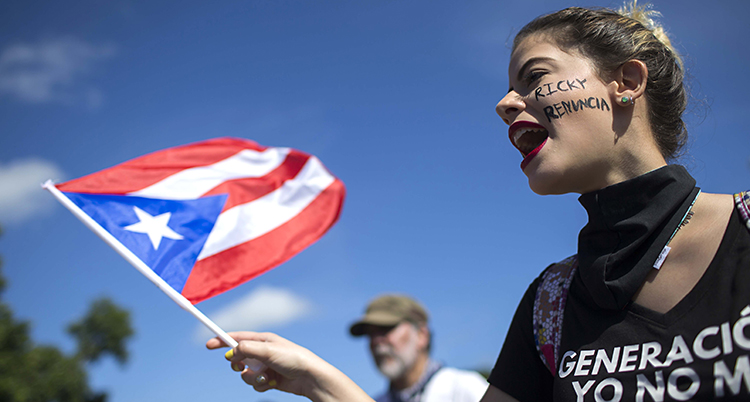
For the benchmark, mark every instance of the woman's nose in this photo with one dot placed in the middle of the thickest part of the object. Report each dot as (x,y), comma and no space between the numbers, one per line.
(510,106)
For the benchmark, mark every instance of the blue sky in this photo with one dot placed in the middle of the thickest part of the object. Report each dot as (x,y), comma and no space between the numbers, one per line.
(396,98)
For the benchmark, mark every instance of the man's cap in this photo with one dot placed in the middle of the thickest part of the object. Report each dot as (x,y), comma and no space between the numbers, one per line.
(389,310)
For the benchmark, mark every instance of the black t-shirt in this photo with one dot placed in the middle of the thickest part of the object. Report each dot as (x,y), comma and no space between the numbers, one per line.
(699,350)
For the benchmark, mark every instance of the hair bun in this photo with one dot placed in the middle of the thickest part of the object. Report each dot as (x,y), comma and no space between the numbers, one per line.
(646,15)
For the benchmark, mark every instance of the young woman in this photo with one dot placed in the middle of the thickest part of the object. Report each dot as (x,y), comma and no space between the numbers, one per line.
(658,304)
(656,307)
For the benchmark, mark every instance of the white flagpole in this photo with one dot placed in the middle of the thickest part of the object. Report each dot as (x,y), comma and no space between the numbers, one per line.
(136,262)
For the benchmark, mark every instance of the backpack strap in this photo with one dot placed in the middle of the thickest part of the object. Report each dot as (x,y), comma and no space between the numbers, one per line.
(549,306)
(742,202)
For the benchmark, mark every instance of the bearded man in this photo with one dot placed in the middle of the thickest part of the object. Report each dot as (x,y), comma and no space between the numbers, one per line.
(400,343)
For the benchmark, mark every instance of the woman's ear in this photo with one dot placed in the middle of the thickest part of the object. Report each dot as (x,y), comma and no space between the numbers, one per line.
(630,82)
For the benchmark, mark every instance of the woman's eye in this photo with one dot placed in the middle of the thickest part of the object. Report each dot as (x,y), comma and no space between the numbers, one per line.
(534,76)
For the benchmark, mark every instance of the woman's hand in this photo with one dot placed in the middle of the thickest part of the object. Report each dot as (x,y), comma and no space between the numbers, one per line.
(290,368)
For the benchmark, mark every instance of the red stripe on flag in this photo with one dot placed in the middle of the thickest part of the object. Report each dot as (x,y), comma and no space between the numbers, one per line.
(239,264)
(242,191)
(146,170)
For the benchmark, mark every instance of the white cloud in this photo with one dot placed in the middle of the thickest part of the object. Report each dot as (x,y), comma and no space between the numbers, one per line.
(259,310)
(22,196)
(52,70)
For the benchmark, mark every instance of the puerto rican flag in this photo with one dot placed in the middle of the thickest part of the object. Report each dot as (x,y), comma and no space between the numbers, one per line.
(208,216)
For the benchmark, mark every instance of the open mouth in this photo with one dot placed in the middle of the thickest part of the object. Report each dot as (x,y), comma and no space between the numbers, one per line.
(528,139)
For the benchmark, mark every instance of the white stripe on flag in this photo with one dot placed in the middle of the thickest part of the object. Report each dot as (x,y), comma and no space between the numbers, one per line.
(248,221)
(192,183)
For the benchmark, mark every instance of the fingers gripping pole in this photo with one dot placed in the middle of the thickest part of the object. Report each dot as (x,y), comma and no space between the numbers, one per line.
(136,262)
(254,365)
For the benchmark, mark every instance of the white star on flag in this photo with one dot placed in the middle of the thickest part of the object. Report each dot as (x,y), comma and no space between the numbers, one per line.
(154,226)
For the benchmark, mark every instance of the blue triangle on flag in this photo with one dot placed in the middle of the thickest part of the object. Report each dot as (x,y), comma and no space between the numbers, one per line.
(167,235)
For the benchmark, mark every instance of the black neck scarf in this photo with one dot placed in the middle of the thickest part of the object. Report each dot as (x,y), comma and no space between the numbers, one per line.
(629,224)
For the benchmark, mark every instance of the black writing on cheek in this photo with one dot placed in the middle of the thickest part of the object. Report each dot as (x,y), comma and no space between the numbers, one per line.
(578,105)
(557,109)
(604,103)
(560,109)
(549,111)
(566,106)
(538,93)
(546,89)
(549,89)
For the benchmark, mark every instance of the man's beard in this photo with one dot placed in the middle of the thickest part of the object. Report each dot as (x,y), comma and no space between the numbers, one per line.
(394,365)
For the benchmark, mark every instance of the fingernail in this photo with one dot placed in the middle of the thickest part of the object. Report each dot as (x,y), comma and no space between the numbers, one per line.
(229,355)
(236,367)
(272,383)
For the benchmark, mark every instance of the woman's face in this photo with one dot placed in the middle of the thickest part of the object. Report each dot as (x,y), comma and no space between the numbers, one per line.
(560,115)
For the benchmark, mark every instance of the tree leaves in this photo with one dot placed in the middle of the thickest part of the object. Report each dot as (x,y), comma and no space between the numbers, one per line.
(33,373)
(103,330)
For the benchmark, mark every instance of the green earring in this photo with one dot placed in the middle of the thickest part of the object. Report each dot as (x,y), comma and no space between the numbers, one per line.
(625,100)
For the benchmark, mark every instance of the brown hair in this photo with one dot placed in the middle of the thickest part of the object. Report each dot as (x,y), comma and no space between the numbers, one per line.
(610,38)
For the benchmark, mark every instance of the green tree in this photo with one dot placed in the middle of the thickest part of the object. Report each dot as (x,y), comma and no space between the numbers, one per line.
(38,373)
(102,331)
